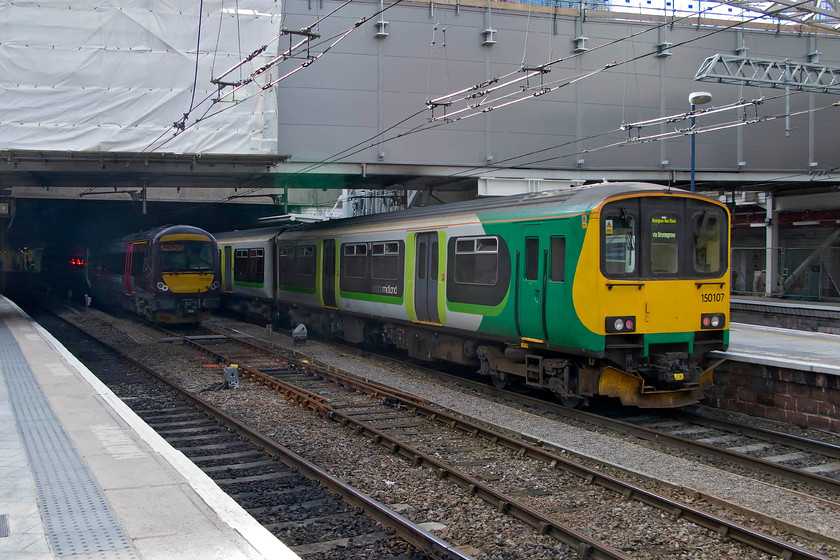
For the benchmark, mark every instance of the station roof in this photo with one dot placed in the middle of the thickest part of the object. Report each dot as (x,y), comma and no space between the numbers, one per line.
(30,168)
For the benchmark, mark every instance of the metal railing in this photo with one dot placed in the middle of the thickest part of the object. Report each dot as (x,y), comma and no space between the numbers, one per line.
(801,273)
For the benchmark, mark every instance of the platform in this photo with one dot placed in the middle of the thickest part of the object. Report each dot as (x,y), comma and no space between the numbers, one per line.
(787,313)
(84,477)
(776,347)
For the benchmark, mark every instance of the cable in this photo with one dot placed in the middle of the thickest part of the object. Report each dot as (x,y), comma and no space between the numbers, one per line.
(197,52)
(476,90)
(349,151)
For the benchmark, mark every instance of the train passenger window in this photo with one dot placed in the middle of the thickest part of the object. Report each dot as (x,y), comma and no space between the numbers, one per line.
(620,232)
(354,264)
(385,261)
(240,265)
(477,260)
(305,260)
(557,265)
(706,227)
(256,266)
(532,257)
(296,266)
(664,243)
(249,266)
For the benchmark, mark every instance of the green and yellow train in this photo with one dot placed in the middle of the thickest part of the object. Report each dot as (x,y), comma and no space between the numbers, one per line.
(616,289)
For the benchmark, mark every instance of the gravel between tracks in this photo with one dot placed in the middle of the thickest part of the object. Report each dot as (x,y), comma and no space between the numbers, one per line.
(491,539)
(790,507)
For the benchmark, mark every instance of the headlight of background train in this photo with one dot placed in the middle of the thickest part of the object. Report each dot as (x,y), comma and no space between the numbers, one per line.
(169,274)
(616,290)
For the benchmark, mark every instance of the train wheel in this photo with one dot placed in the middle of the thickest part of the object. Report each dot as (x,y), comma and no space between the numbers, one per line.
(500,379)
(571,402)
(564,389)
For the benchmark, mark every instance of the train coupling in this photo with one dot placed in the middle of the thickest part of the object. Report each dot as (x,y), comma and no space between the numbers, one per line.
(189,306)
(671,370)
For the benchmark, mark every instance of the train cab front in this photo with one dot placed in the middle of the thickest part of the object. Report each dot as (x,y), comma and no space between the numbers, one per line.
(188,288)
(662,296)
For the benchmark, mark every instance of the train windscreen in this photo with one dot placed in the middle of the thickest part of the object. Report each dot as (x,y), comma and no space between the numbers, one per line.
(663,237)
(186,256)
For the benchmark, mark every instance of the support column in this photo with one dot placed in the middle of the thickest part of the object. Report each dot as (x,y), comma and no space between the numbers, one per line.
(772,239)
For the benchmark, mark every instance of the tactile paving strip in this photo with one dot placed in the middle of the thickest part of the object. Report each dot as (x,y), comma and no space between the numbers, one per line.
(76,516)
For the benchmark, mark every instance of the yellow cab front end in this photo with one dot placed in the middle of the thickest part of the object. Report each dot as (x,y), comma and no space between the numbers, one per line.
(653,283)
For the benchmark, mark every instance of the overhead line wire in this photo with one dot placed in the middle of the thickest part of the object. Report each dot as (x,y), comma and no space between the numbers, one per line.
(472,88)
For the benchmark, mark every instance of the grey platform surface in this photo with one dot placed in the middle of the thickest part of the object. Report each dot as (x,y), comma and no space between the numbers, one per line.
(83,477)
(804,350)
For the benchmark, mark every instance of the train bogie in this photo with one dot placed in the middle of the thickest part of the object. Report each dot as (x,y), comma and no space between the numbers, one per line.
(615,289)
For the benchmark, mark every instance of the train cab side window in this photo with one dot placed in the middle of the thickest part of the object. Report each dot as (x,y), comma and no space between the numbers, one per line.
(557,265)
(477,260)
(620,234)
(355,260)
(664,243)
(706,227)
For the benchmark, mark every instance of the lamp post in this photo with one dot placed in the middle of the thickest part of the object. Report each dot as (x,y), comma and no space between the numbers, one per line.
(696,98)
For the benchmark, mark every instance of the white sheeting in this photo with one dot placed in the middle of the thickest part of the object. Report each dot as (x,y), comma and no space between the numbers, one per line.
(86,75)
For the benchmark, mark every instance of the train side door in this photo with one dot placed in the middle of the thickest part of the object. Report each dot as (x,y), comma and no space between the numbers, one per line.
(227,268)
(531,277)
(426,277)
(328,273)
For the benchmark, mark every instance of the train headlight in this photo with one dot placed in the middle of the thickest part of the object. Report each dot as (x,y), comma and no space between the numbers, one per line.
(162,286)
(712,321)
(621,324)
(215,285)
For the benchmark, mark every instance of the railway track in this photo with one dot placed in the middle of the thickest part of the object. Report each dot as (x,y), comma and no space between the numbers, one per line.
(785,456)
(312,512)
(793,457)
(407,427)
